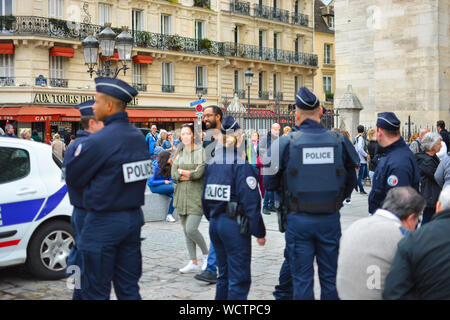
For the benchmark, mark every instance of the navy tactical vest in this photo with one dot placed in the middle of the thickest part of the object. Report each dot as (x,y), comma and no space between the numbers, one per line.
(315,174)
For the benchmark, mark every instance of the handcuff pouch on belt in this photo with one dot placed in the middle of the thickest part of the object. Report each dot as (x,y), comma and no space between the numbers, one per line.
(234,210)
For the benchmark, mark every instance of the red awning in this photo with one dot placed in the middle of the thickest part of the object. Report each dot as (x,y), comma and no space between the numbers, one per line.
(62,52)
(152,115)
(115,57)
(70,114)
(7,48)
(142,59)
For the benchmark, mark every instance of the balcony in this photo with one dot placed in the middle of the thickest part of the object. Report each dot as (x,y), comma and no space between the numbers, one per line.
(263,95)
(300,19)
(140,86)
(7,82)
(240,93)
(275,14)
(206,4)
(58,83)
(201,90)
(168,88)
(231,49)
(60,29)
(278,96)
(240,7)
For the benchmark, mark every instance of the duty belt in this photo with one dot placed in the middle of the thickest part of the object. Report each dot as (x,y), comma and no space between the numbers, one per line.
(312,208)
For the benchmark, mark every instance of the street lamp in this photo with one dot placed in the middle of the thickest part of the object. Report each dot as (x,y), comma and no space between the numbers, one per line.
(107,40)
(248,81)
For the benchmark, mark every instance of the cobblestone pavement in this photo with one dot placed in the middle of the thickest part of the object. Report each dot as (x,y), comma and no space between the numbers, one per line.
(164,252)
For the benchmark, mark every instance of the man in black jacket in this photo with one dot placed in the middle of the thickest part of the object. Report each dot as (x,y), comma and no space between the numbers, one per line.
(440,125)
(421,266)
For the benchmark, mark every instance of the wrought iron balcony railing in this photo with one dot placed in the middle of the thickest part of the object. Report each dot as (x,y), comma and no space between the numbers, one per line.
(7,82)
(278,96)
(240,93)
(240,7)
(276,14)
(300,19)
(58,83)
(231,49)
(29,25)
(140,86)
(168,88)
(264,95)
(201,90)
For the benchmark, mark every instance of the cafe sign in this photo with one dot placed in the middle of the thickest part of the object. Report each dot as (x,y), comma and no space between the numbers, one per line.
(66,99)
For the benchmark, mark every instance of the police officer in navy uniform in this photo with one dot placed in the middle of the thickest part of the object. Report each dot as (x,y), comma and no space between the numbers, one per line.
(232,204)
(112,166)
(89,125)
(315,169)
(398,168)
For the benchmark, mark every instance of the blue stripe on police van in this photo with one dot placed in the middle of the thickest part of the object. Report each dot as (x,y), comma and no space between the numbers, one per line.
(53,201)
(20,212)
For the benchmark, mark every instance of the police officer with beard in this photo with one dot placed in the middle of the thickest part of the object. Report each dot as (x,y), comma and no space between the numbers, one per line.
(232,203)
(315,169)
(112,166)
(90,125)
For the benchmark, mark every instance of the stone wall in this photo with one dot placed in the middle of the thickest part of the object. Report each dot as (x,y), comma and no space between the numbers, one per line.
(395,54)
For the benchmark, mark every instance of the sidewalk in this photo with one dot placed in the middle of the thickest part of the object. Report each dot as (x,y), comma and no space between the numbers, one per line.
(164,252)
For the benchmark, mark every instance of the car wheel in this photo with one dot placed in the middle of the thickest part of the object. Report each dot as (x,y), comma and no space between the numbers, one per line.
(49,249)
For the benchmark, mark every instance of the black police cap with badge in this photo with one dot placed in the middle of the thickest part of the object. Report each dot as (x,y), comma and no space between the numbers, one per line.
(116,88)
(388,121)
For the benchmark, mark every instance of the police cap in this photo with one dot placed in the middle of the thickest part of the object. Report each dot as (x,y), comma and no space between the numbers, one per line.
(116,88)
(306,100)
(86,108)
(229,124)
(388,121)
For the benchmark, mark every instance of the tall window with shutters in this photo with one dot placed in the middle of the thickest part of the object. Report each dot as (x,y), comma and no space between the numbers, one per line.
(167,77)
(166,24)
(56,9)
(6,70)
(57,72)
(139,81)
(137,20)
(6,7)
(201,79)
(104,14)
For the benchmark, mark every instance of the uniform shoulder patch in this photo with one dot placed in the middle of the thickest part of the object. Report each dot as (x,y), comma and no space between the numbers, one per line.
(251,182)
(78,151)
(392,180)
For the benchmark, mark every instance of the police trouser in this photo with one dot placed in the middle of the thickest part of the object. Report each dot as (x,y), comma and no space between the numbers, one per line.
(233,252)
(309,236)
(77,221)
(110,250)
(283,291)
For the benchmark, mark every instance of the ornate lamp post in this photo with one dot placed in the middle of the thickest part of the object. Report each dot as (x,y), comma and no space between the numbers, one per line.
(248,81)
(107,40)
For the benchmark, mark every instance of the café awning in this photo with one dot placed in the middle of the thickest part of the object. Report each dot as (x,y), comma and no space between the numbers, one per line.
(57,51)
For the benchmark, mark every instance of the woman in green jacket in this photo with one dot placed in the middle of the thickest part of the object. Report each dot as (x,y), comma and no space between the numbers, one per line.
(187,170)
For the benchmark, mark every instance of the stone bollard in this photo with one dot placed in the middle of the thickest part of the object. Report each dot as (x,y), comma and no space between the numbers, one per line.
(156,206)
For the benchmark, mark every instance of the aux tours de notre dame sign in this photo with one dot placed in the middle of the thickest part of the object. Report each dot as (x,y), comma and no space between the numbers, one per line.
(65,99)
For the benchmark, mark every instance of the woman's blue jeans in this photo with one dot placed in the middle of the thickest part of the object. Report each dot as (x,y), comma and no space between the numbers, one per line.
(166,189)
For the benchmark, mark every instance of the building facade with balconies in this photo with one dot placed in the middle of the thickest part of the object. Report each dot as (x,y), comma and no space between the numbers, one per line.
(181,50)
(325,80)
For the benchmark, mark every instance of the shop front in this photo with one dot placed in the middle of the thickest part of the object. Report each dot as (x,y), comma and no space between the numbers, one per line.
(48,120)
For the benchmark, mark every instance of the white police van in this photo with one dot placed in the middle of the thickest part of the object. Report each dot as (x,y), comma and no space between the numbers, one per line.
(35,210)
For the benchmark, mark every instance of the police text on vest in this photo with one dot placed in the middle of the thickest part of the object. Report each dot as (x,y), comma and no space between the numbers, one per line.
(218,192)
(136,171)
(318,155)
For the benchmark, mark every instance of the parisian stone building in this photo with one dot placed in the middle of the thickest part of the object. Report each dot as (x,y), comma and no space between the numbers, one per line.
(395,55)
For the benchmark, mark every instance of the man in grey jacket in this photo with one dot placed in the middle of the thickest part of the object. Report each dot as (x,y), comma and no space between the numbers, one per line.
(442,174)
(368,246)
